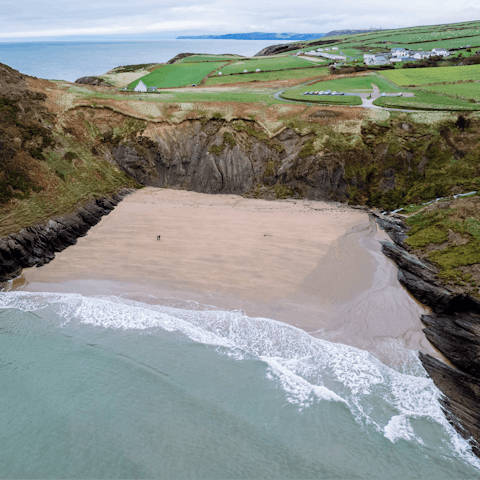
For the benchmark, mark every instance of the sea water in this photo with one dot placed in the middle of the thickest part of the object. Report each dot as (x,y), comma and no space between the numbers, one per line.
(72,60)
(108,386)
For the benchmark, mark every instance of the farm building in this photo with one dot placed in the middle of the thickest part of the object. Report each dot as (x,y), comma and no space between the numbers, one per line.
(370,59)
(422,55)
(141,87)
(440,51)
(399,52)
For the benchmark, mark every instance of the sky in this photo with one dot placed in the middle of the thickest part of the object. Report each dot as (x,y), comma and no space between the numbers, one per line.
(142,19)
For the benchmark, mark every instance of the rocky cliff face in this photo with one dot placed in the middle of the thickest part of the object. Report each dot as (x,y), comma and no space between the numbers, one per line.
(453,328)
(231,157)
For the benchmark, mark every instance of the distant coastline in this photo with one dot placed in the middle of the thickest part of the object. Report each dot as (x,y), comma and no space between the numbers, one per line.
(255,36)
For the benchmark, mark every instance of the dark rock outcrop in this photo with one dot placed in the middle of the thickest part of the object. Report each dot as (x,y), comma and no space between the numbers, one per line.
(453,328)
(93,81)
(195,156)
(37,245)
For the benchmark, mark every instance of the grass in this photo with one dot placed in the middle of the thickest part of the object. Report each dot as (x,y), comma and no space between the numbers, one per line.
(435,227)
(70,180)
(271,63)
(325,99)
(314,71)
(177,75)
(426,101)
(423,76)
(359,84)
(465,90)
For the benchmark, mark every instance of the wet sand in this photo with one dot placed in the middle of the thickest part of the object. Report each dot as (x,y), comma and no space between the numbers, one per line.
(315,265)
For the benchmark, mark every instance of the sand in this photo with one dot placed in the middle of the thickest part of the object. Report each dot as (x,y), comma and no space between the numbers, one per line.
(316,265)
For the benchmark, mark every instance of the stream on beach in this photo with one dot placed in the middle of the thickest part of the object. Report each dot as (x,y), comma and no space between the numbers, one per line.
(117,386)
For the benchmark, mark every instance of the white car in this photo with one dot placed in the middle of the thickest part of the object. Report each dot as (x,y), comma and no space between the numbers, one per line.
(328,92)
(334,93)
(399,94)
(383,94)
(322,92)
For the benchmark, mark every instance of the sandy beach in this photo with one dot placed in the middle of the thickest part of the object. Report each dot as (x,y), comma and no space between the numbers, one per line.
(312,264)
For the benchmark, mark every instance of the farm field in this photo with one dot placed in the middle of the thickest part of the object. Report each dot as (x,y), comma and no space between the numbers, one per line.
(466,90)
(271,63)
(360,84)
(229,94)
(306,73)
(422,76)
(426,101)
(178,75)
(325,99)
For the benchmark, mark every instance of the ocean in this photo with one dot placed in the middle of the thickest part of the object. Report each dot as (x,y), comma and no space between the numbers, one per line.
(72,60)
(118,387)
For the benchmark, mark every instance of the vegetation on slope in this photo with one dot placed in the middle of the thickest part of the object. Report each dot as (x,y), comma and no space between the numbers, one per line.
(43,172)
(448,233)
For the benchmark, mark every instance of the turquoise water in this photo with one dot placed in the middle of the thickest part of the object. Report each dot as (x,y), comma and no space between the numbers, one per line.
(72,60)
(110,387)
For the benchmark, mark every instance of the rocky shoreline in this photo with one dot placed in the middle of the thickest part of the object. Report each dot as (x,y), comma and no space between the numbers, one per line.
(37,245)
(453,328)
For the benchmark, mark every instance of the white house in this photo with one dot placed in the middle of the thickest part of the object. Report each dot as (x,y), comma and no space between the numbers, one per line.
(399,52)
(440,51)
(380,60)
(395,60)
(141,87)
(421,55)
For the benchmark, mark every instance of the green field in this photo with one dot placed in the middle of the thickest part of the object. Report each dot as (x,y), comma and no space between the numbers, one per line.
(422,76)
(208,58)
(325,99)
(242,95)
(268,76)
(360,84)
(466,90)
(177,75)
(425,101)
(270,63)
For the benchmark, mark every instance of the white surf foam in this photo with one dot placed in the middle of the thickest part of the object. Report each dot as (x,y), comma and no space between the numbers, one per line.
(308,369)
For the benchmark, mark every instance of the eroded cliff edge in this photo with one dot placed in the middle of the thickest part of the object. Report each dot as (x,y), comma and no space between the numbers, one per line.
(453,328)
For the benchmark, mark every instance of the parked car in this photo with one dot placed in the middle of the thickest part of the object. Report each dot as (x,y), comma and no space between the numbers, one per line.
(317,92)
(399,94)
(322,92)
(341,93)
(383,94)
(194,84)
(328,92)
(334,92)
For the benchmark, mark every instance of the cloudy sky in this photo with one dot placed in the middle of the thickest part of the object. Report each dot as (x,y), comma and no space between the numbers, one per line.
(46,19)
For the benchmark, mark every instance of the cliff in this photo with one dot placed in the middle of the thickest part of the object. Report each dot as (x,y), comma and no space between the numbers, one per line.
(453,328)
